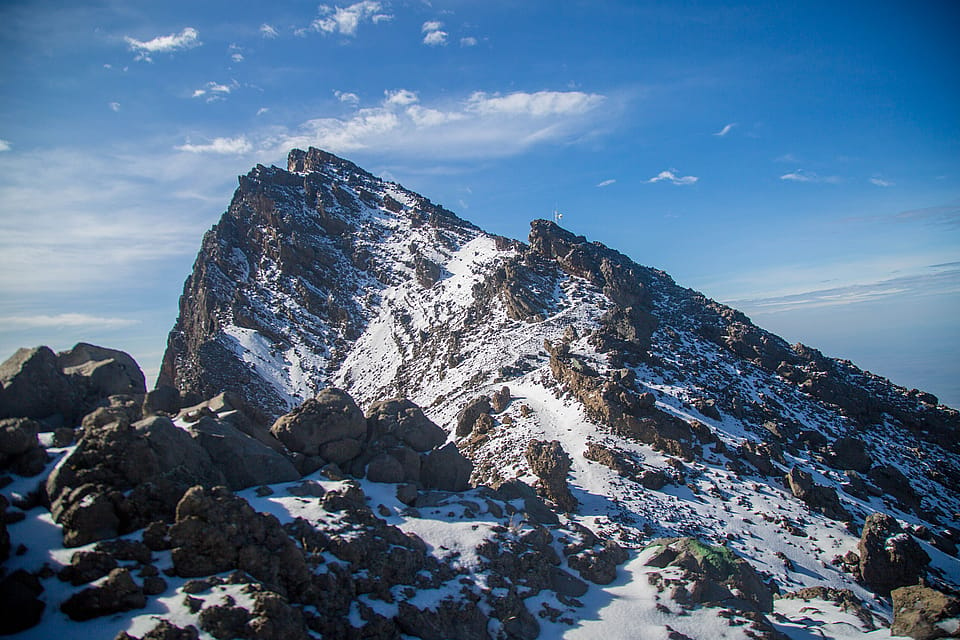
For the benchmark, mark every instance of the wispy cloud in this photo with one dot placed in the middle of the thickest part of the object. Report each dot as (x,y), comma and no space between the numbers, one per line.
(935,280)
(39,321)
(220,146)
(4,146)
(606,183)
(880,182)
(346,20)
(482,125)
(726,129)
(808,176)
(434,34)
(114,106)
(787,157)
(268,31)
(186,39)
(213,91)
(347,97)
(672,177)
(468,41)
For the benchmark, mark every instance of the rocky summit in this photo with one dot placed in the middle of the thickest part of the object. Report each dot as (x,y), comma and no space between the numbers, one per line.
(376,420)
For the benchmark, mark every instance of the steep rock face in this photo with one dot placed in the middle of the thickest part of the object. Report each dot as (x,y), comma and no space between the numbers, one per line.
(322,275)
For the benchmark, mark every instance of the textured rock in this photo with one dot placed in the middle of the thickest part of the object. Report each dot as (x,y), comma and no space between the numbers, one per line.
(889,557)
(216,531)
(119,592)
(550,463)
(406,422)
(101,372)
(817,497)
(243,461)
(20,605)
(331,416)
(20,449)
(32,385)
(924,614)
(446,469)
(469,415)
(118,479)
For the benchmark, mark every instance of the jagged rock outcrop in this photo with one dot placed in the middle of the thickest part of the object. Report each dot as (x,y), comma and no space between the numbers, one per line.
(550,463)
(922,613)
(817,497)
(889,557)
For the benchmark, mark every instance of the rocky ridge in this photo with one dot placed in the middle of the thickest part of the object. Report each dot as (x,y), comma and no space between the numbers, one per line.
(502,433)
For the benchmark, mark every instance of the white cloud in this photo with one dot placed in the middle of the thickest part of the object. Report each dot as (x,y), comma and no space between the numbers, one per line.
(435,36)
(541,103)
(606,183)
(347,97)
(346,20)
(114,106)
(672,177)
(726,129)
(237,57)
(787,157)
(400,97)
(4,146)
(186,39)
(268,31)
(468,41)
(219,145)
(880,182)
(63,320)
(213,90)
(262,110)
(481,125)
(808,176)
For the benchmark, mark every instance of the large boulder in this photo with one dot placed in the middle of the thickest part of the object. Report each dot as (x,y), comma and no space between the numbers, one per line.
(103,372)
(20,450)
(446,469)
(889,557)
(119,592)
(403,420)
(816,496)
(468,416)
(32,385)
(120,478)
(216,531)
(715,575)
(244,461)
(550,463)
(316,426)
(922,613)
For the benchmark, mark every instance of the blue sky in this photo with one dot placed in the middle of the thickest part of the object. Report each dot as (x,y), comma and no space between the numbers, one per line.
(799,161)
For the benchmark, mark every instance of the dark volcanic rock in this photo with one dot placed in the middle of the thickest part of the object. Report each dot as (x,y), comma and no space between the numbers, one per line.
(330,417)
(120,478)
(404,421)
(446,469)
(20,606)
(924,614)
(101,372)
(889,557)
(32,385)
(119,592)
(550,463)
(468,416)
(817,497)
(216,531)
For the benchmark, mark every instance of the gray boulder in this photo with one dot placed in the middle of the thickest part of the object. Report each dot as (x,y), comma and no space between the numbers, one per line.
(406,422)
(889,557)
(20,450)
(105,372)
(331,416)
(446,469)
(243,461)
(33,386)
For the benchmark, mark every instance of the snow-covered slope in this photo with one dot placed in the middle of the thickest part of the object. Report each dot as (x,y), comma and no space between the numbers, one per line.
(681,419)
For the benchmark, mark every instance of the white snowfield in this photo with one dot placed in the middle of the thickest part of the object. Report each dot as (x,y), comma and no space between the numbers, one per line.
(441,348)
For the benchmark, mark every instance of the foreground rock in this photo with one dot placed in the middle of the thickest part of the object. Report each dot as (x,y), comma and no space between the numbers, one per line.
(889,557)
(120,478)
(550,463)
(924,614)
